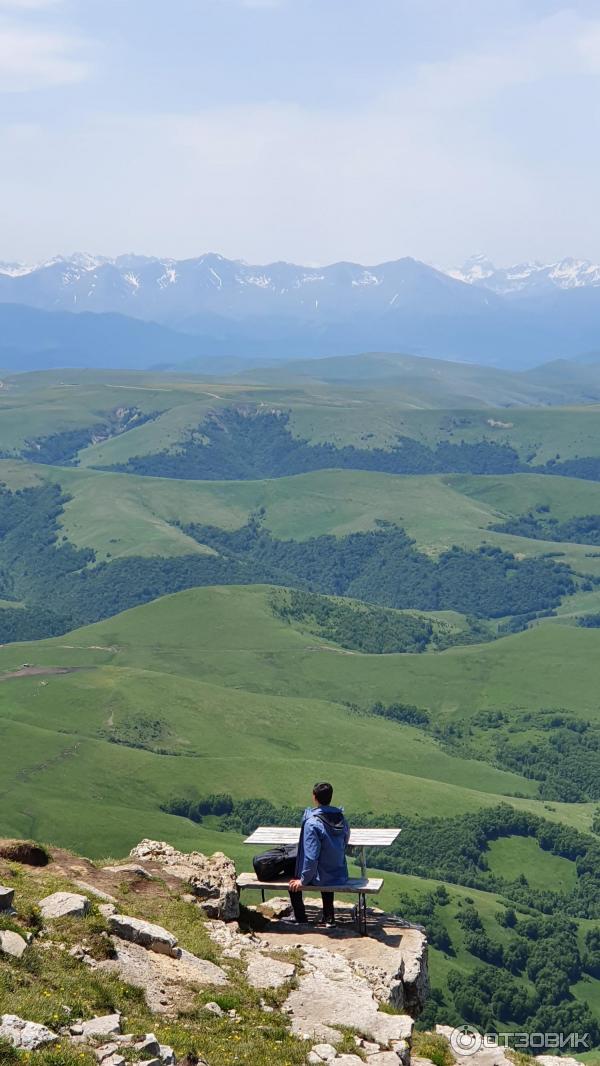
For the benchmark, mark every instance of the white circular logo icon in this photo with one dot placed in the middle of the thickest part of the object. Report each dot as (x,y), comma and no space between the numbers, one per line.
(465,1040)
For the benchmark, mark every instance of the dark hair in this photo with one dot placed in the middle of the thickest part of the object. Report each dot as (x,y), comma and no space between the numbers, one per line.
(323,791)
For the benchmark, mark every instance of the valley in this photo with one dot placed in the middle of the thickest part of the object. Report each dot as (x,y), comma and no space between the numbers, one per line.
(214,592)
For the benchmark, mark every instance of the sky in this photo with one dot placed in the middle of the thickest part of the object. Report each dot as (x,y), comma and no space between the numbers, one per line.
(306,130)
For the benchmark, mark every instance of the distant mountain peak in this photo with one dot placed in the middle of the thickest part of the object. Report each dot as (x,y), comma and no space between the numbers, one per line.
(567,273)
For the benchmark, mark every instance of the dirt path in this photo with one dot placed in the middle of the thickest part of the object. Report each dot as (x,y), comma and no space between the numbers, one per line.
(41,671)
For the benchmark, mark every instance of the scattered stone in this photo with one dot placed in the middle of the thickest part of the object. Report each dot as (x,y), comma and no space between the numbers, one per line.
(150,1062)
(97,892)
(107,909)
(114,1060)
(147,935)
(105,1051)
(384,1058)
(264,972)
(166,1054)
(324,1052)
(233,943)
(11,943)
(275,908)
(64,905)
(7,896)
(212,880)
(214,1008)
(350,1060)
(105,1025)
(148,1046)
(27,1036)
(129,868)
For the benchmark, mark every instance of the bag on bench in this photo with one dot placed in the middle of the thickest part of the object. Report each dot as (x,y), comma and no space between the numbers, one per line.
(276,864)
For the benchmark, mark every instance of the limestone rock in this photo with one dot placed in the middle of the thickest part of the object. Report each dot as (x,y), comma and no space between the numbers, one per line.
(7,896)
(233,944)
(99,893)
(278,907)
(64,905)
(166,1055)
(384,1058)
(105,1051)
(27,1036)
(169,984)
(330,993)
(264,972)
(148,1046)
(214,1008)
(349,1060)
(11,943)
(131,868)
(105,1025)
(107,909)
(557,1060)
(324,1052)
(212,879)
(146,934)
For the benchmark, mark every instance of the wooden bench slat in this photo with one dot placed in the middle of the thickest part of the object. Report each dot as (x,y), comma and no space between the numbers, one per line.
(290,835)
(355,884)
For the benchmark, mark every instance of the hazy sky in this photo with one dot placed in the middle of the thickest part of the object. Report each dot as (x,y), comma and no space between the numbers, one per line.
(310,130)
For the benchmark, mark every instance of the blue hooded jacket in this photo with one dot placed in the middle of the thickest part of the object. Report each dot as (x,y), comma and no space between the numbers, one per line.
(322,847)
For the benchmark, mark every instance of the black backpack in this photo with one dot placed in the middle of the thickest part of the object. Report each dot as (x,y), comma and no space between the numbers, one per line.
(277,864)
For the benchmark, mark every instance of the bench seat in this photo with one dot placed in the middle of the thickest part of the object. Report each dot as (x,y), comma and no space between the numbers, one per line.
(360,886)
(370,885)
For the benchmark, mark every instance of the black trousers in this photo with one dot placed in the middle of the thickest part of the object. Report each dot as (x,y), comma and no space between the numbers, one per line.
(297,901)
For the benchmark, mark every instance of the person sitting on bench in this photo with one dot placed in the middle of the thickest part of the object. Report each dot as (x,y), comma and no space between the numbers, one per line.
(321,858)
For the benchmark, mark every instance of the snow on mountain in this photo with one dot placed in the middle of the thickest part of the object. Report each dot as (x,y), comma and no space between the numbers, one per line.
(569,273)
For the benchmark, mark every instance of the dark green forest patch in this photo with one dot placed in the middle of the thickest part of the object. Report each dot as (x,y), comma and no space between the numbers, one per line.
(540,525)
(242,444)
(61,588)
(62,448)
(366,629)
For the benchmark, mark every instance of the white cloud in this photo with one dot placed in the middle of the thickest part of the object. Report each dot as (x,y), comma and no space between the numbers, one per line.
(447,161)
(38,58)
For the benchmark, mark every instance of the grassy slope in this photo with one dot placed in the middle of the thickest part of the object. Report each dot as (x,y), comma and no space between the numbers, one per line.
(428,407)
(246,699)
(121,514)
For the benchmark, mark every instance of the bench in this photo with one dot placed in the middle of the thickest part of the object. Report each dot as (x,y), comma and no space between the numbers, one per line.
(359,838)
(359,886)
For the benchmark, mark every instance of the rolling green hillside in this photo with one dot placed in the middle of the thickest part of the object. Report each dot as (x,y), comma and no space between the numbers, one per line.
(38,406)
(240,696)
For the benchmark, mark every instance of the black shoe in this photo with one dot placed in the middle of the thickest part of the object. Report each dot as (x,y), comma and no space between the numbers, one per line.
(326,923)
(291,919)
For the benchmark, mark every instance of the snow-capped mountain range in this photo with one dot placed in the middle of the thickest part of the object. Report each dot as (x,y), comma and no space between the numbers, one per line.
(566,274)
(515,316)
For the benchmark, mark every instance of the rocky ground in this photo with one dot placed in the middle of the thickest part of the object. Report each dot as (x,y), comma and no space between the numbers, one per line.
(150,960)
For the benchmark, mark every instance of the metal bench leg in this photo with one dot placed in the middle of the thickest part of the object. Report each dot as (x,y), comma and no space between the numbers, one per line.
(361,914)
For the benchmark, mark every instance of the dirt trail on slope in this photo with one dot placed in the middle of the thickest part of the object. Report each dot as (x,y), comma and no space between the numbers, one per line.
(41,671)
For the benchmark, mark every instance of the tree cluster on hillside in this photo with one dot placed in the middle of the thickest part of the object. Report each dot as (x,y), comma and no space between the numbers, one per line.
(540,525)
(367,629)
(62,448)
(383,566)
(242,444)
(61,588)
